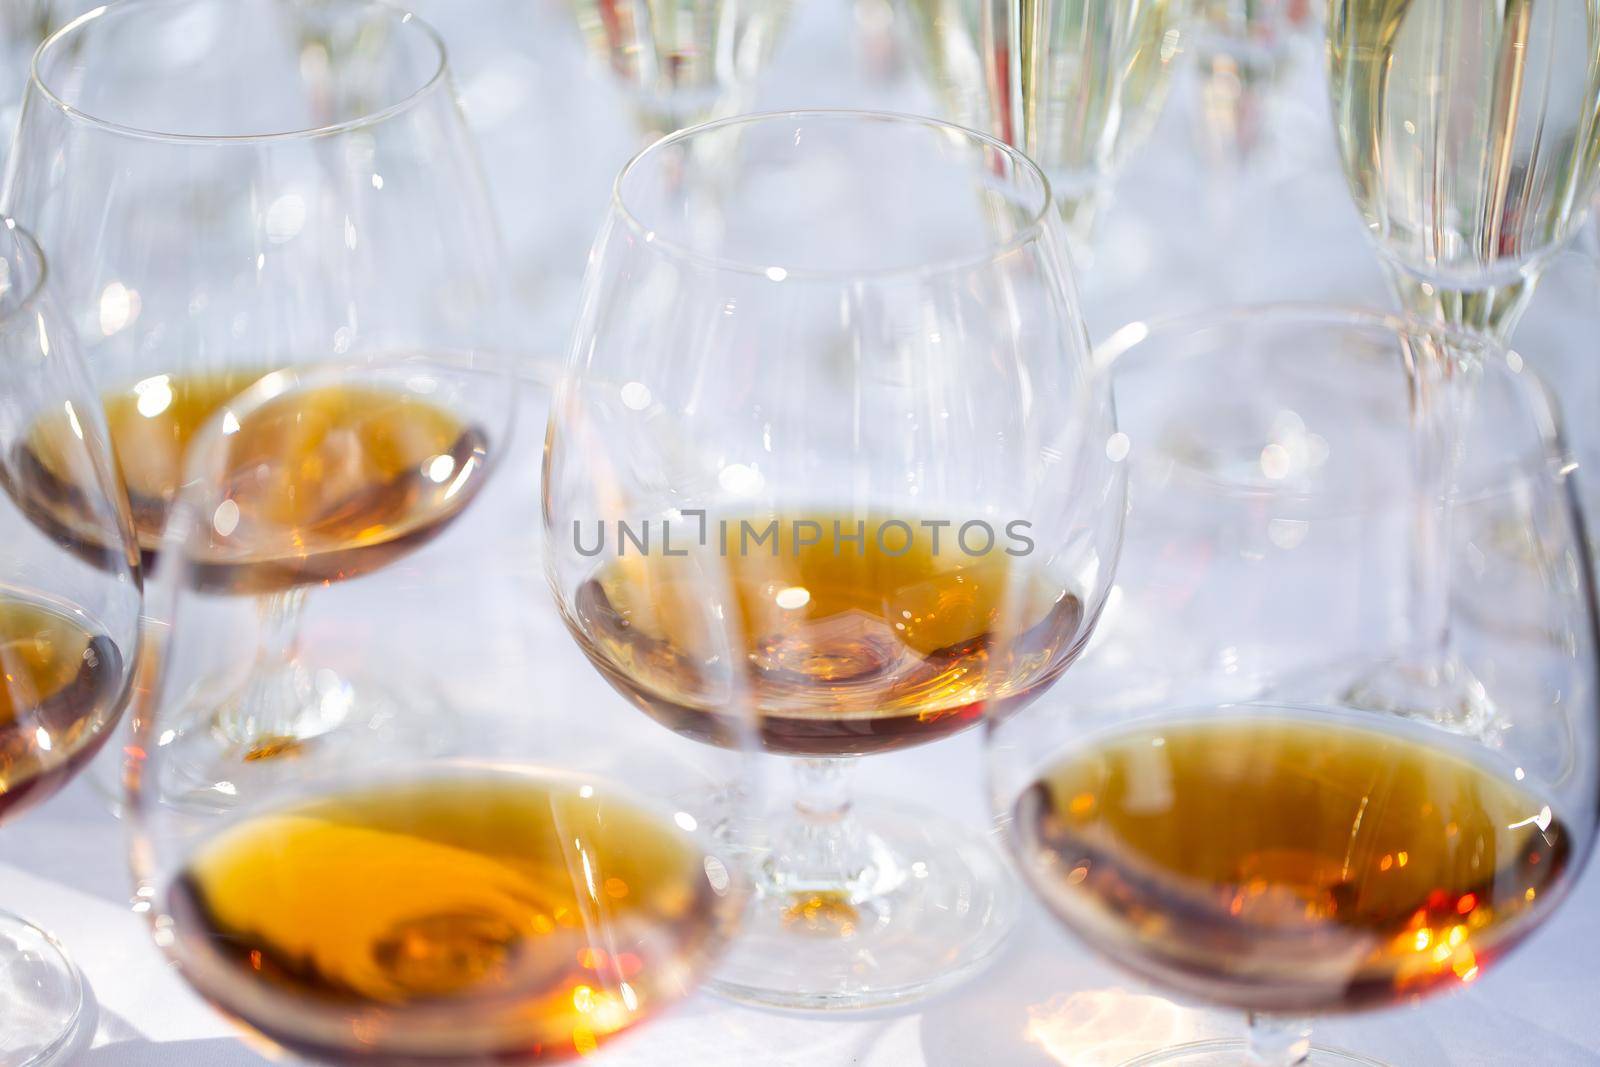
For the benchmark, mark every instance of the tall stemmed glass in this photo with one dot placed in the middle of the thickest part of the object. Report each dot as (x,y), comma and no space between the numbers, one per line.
(554,876)
(1197,799)
(1076,84)
(1470,134)
(681,61)
(841,349)
(69,618)
(230,188)
(1470,131)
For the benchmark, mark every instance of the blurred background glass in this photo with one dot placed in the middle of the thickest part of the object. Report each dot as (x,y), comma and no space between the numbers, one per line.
(681,61)
(1245,108)
(1075,84)
(1470,133)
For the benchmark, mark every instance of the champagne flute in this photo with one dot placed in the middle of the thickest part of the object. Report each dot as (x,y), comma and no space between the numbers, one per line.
(230,188)
(1470,133)
(68,625)
(1196,800)
(555,876)
(1076,84)
(681,62)
(865,405)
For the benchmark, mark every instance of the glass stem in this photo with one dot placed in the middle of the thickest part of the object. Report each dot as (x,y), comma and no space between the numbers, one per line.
(1082,204)
(824,789)
(1276,1041)
(274,703)
(1431,682)
(1430,541)
(1491,312)
(822,858)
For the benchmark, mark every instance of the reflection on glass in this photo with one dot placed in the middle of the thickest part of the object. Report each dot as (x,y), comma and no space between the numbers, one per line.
(1107,1025)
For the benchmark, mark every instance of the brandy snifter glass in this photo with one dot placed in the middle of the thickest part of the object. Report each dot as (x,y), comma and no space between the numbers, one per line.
(1200,799)
(233,187)
(542,879)
(841,352)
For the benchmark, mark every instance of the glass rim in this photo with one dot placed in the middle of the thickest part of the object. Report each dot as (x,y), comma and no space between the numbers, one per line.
(1125,338)
(37,84)
(1026,234)
(1538,399)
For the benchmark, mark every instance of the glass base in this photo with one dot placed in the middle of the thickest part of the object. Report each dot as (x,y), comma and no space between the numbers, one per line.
(934,908)
(42,996)
(1231,1052)
(222,757)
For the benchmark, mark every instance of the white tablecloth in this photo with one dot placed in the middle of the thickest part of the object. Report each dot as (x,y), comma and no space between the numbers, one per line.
(553,136)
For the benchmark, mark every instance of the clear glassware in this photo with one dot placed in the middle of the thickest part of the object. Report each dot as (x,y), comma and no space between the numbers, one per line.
(1076,84)
(682,61)
(851,334)
(230,188)
(548,879)
(1197,800)
(1470,136)
(69,620)
(1470,131)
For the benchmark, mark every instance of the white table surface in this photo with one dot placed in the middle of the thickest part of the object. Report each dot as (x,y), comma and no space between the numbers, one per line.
(553,136)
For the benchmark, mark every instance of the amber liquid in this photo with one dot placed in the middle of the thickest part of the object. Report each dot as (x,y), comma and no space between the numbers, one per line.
(321,484)
(61,688)
(1291,864)
(495,915)
(847,653)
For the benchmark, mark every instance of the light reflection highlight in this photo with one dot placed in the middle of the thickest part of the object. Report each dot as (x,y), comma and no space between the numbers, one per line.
(1103,1027)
